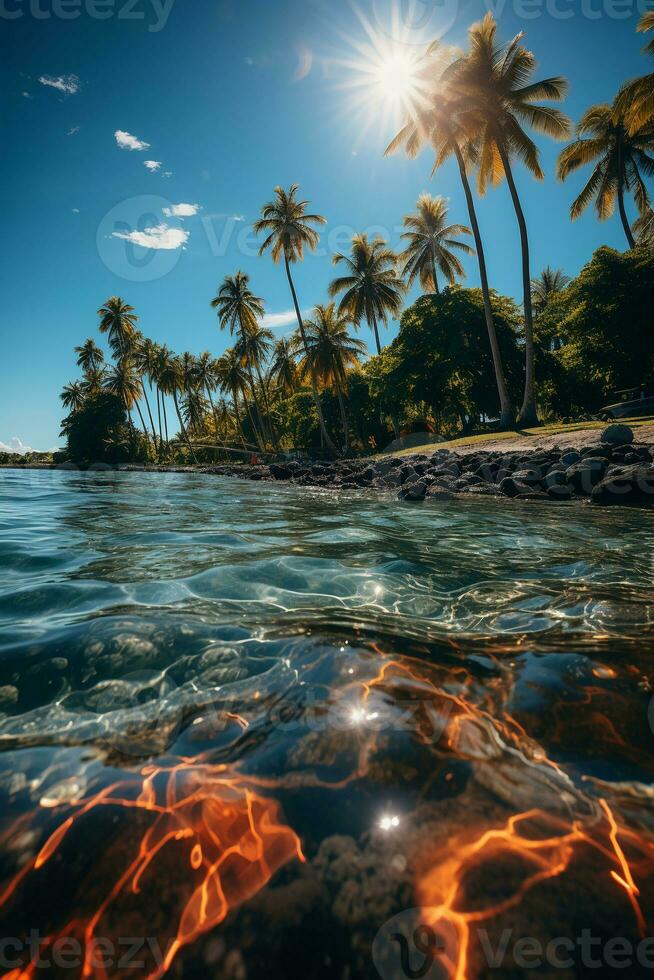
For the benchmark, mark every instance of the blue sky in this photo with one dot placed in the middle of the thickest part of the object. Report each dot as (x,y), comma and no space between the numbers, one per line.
(233,97)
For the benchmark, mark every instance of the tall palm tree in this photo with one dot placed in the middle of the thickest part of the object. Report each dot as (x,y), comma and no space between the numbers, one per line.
(239,311)
(283,369)
(142,352)
(330,351)
(372,290)
(441,126)
(172,377)
(195,409)
(90,357)
(494,82)
(255,346)
(123,381)
(205,377)
(621,159)
(546,285)
(232,378)
(73,396)
(162,355)
(288,229)
(430,241)
(118,320)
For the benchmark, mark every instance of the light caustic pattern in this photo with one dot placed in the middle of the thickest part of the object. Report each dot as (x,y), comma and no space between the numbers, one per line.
(223,841)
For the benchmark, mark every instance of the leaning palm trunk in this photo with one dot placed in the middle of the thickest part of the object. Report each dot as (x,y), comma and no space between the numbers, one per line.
(237,415)
(396,428)
(259,432)
(159,420)
(143,425)
(271,425)
(623,213)
(314,388)
(183,427)
(507,415)
(528,414)
(147,405)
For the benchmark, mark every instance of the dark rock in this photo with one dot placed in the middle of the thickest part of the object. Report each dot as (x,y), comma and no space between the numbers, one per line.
(560,492)
(634,485)
(555,478)
(531,477)
(532,495)
(570,458)
(512,488)
(617,434)
(585,474)
(413,491)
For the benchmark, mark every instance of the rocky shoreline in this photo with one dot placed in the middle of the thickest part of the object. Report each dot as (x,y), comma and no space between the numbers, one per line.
(613,470)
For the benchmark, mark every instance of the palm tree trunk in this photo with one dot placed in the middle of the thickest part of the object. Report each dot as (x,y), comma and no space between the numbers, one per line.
(261,432)
(183,429)
(507,414)
(213,410)
(159,420)
(623,216)
(314,388)
(143,425)
(239,427)
(165,415)
(528,414)
(147,405)
(376,332)
(433,272)
(271,427)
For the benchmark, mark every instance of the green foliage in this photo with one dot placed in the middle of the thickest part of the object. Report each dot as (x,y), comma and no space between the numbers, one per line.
(605,322)
(98,431)
(299,420)
(441,357)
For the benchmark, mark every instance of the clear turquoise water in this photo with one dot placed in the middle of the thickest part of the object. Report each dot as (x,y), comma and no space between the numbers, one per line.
(139,611)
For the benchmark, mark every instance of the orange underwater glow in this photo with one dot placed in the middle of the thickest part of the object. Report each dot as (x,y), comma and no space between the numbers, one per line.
(206,827)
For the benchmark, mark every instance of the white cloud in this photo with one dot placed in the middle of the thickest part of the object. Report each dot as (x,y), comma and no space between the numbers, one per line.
(167,173)
(72,131)
(68,84)
(128,142)
(152,165)
(160,236)
(15,446)
(75,210)
(26,95)
(181,210)
(275,321)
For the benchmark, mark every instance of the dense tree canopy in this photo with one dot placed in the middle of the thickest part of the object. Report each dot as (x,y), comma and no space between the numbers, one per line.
(98,430)
(605,324)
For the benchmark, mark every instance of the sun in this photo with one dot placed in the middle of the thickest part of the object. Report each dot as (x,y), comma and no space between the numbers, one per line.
(395,75)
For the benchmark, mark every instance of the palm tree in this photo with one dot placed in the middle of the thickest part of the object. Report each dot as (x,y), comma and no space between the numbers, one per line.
(546,285)
(195,409)
(255,346)
(330,351)
(639,94)
(124,382)
(73,396)
(499,98)
(172,379)
(162,354)
(620,158)
(283,369)
(239,311)
(118,320)
(93,380)
(372,289)
(90,357)
(430,243)
(144,356)
(442,127)
(205,376)
(232,378)
(289,231)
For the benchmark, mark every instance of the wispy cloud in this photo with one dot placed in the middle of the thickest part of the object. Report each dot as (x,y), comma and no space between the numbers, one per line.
(75,210)
(72,131)
(128,142)
(167,173)
(152,165)
(159,236)
(181,210)
(26,95)
(276,321)
(68,84)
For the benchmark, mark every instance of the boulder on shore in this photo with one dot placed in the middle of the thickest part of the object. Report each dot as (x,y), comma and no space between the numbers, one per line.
(617,435)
